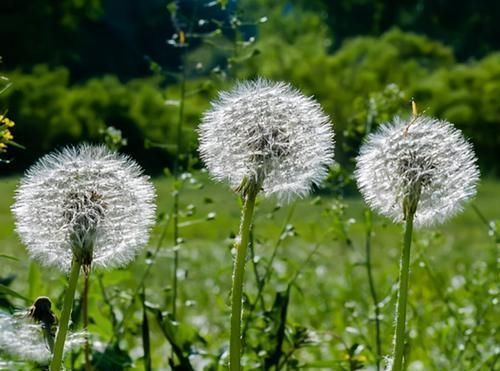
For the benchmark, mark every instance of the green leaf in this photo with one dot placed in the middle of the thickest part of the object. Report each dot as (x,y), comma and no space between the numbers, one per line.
(7,291)
(8,257)
(279,313)
(113,358)
(180,336)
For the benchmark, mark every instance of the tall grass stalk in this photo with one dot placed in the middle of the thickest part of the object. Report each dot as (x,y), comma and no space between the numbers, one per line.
(373,292)
(237,282)
(146,342)
(177,190)
(57,358)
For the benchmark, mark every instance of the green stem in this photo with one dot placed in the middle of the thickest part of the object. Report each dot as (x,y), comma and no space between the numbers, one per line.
(176,253)
(177,190)
(404,271)
(57,358)
(237,285)
(86,345)
(373,292)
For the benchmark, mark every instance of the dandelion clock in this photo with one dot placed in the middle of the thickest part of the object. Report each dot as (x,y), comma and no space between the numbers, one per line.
(267,137)
(425,159)
(419,172)
(83,206)
(267,134)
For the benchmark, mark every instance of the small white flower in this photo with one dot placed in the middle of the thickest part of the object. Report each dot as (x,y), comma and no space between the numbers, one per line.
(424,156)
(86,202)
(270,134)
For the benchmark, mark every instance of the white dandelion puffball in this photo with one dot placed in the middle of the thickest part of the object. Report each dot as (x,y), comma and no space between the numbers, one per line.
(85,202)
(268,133)
(422,154)
(24,341)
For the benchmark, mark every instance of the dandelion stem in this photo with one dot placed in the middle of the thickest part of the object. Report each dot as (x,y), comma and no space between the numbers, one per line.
(237,285)
(404,271)
(56,363)
(86,345)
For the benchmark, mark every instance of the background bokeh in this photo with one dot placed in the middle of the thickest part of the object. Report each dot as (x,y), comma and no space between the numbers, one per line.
(78,66)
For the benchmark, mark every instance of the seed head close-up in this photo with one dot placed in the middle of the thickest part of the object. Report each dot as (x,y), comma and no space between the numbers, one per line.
(424,158)
(84,202)
(270,134)
(23,340)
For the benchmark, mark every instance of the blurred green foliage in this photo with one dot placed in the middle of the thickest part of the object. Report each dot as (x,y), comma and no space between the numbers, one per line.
(361,83)
(53,113)
(469,27)
(370,79)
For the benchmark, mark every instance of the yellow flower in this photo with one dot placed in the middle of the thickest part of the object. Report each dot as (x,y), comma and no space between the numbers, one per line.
(6,121)
(7,135)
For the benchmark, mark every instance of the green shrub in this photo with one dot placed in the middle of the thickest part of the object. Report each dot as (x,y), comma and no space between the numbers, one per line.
(51,113)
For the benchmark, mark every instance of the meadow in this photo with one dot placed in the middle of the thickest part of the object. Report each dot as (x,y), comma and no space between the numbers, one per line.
(316,309)
(325,282)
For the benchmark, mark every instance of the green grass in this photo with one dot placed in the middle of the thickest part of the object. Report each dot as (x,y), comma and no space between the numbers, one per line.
(453,300)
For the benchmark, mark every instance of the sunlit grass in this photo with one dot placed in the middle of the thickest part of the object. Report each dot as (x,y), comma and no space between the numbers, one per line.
(332,291)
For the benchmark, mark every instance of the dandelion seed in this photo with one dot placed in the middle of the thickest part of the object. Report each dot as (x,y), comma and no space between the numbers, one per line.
(22,340)
(269,134)
(85,202)
(429,158)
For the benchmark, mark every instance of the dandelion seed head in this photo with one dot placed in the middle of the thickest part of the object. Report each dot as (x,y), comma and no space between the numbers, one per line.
(269,134)
(426,156)
(388,363)
(87,202)
(24,341)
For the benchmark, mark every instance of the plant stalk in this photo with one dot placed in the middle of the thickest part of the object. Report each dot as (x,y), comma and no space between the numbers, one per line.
(57,358)
(237,284)
(86,345)
(177,190)
(373,292)
(404,272)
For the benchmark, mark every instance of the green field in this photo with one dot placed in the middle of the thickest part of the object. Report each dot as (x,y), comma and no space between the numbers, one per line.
(453,312)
